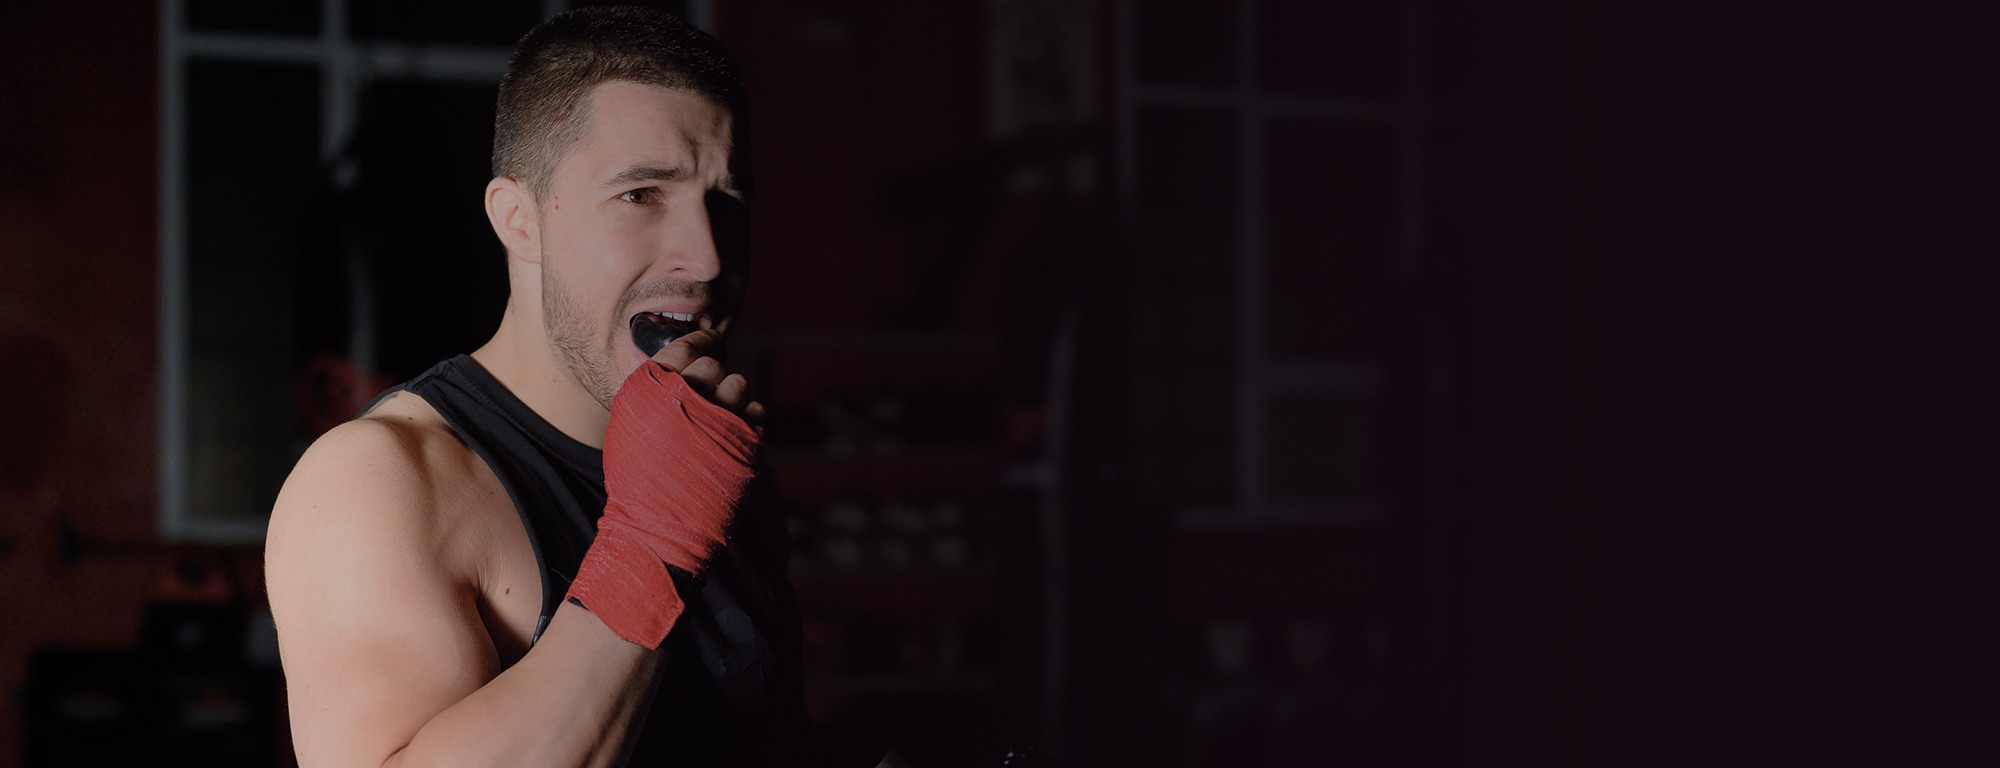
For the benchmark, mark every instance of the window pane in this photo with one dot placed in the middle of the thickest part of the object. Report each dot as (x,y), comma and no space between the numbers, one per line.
(1347,49)
(437,276)
(1185,43)
(292,17)
(1186,302)
(1331,238)
(464,22)
(1318,448)
(253,134)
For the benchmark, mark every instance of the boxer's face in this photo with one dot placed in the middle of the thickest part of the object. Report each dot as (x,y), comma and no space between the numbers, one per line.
(629,225)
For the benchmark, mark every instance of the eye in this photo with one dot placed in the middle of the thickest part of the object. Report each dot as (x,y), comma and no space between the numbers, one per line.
(645,196)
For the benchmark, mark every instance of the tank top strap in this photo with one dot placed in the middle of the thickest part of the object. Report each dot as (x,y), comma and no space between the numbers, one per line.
(555,482)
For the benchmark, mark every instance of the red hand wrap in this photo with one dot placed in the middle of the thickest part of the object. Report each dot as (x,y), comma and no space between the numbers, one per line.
(675,466)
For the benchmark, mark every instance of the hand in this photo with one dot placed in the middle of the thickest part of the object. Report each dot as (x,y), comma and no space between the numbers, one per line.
(678,455)
(689,356)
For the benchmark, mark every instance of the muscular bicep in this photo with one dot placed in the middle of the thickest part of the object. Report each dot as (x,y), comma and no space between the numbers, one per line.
(377,632)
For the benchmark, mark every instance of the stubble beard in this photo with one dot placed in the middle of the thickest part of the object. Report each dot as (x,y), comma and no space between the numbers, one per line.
(589,362)
(593,363)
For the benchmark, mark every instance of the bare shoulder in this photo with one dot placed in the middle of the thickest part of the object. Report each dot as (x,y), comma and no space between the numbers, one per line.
(374,582)
(394,490)
(382,472)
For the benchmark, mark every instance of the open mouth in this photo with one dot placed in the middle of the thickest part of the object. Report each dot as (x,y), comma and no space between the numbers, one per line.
(654,330)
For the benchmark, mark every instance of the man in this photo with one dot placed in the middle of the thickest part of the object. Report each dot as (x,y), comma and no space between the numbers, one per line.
(444,589)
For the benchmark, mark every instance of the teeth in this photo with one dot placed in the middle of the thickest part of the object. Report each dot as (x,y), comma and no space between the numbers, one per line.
(685,317)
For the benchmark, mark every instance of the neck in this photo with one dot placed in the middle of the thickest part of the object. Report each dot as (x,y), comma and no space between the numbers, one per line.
(519,356)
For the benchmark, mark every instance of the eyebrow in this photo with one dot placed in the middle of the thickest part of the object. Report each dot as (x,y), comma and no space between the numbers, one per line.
(639,173)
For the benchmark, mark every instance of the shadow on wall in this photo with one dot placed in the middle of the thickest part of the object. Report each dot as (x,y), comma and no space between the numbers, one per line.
(34,396)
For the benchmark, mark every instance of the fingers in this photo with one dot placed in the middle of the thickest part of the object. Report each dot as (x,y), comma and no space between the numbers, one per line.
(689,356)
(687,349)
(730,391)
(705,374)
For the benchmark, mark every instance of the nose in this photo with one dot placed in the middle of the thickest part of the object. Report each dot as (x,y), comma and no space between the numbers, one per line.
(689,251)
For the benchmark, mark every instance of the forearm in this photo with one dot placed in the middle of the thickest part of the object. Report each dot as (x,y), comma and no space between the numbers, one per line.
(573,700)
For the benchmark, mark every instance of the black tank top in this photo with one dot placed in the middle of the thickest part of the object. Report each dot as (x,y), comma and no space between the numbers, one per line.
(731,693)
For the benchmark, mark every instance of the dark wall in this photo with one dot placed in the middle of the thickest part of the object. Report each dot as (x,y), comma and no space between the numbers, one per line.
(843,96)
(77,333)
(1806,290)
(1711,322)
(1707,297)
(1502,563)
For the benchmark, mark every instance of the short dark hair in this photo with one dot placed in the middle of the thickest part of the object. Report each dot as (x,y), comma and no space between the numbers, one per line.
(559,61)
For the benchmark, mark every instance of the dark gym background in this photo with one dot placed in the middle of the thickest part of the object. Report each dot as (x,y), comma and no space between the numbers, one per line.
(1605,373)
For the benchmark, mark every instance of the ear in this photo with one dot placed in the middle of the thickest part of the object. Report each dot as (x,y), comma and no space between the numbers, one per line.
(511,211)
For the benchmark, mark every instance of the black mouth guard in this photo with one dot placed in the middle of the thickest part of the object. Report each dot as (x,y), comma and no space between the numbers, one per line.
(651,332)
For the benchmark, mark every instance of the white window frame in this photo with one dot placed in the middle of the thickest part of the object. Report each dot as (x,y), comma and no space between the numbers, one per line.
(346,65)
(1259,377)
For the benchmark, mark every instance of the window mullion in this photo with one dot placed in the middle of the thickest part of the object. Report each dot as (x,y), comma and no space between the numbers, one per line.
(173,322)
(338,80)
(1250,271)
